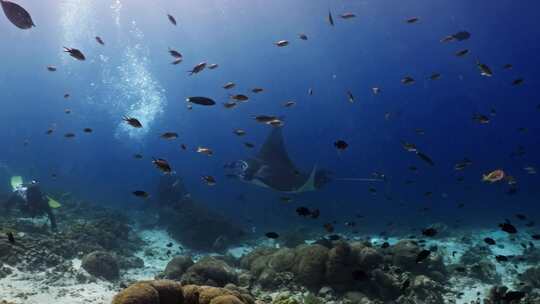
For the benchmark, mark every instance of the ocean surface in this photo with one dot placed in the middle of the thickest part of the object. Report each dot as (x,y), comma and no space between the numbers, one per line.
(132,75)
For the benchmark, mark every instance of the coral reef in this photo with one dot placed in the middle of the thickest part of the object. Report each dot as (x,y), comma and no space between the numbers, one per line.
(198,227)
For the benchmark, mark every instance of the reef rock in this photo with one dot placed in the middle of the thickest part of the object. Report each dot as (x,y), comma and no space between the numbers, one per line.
(340,265)
(177,267)
(151,292)
(531,277)
(310,264)
(101,264)
(423,290)
(209,271)
(199,228)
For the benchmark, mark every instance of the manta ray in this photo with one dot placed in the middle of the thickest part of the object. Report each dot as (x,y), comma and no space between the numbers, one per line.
(272,168)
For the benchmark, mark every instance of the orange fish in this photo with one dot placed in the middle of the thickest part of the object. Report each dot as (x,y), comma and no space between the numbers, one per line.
(494,176)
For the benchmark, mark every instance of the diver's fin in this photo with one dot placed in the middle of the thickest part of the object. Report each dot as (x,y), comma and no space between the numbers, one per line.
(53,203)
(309,185)
(16,182)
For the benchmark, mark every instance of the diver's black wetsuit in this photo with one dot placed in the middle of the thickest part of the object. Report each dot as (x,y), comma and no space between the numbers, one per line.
(32,202)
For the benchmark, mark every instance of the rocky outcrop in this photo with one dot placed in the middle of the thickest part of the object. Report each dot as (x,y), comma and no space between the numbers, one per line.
(176,268)
(101,264)
(151,292)
(209,271)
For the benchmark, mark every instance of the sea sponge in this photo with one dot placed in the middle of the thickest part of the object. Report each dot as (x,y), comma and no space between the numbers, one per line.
(138,293)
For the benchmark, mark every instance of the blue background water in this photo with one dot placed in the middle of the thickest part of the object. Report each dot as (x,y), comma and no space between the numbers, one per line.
(132,75)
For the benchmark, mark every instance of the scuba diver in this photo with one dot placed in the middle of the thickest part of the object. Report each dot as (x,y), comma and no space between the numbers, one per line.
(30,200)
(272,168)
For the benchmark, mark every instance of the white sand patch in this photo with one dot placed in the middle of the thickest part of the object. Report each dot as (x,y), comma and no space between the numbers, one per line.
(37,288)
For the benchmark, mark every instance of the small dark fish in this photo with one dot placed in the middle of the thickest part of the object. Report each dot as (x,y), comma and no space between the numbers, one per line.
(257,90)
(330,18)
(385,245)
(239,97)
(137,156)
(517,81)
(520,216)
(489,241)
(49,131)
(303,211)
(329,227)
(302,36)
(536,237)
(462,53)
(141,194)
(169,135)
(75,53)
(289,104)
(508,66)
(176,61)
(11,238)
(360,275)
(484,69)
(203,101)
(508,228)
(99,40)
(51,68)
(412,20)
(480,118)
(209,180)
(431,232)
(183,147)
(530,224)
(350,224)
(281,43)
(213,66)
(285,199)
(341,145)
(249,145)
(425,158)
(169,245)
(334,237)
(174,53)
(17,15)
(435,76)
(66,96)
(501,258)
(162,165)
(315,213)
(88,130)
(229,105)
(272,235)
(171,19)
(422,255)
(199,67)
(347,15)
(69,135)
(239,132)
(134,122)
(350,96)
(462,35)
(407,80)
(229,85)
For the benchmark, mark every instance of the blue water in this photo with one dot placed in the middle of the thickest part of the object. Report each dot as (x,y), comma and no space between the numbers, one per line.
(132,75)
